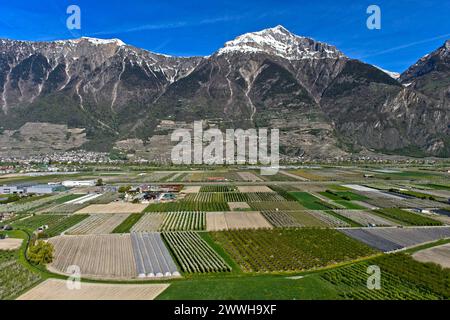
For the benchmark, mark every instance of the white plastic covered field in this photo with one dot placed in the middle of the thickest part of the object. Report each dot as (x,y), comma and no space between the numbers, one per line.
(152,257)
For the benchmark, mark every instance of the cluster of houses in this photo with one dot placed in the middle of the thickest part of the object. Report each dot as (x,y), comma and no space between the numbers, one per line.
(152,193)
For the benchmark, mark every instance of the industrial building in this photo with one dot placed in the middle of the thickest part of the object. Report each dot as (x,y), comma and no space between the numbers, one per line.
(37,189)
(11,190)
(81,183)
(45,188)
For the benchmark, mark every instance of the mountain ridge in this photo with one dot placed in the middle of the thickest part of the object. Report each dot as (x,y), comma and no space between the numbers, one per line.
(325,103)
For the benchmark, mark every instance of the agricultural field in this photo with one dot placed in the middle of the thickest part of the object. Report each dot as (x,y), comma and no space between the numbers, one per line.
(309,175)
(36,221)
(402,279)
(65,208)
(216,197)
(98,224)
(187,206)
(289,250)
(275,205)
(14,278)
(365,218)
(184,221)
(280,177)
(233,197)
(114,207)
(98,256)
(53,289)
(74,203)
(392,239)
(128,223)
(407,218)
(105,198)
(439,255)
(219,188)
(250,177)
(291,219)
(330,220)
(238,206)
(150,222)
(7,255)
(213,176)
(311,202)
(254,189)
(64,224)
(343,195)
(386,200)
(193,254)
(191,189)
(29,204)
(218,221)
(152,257)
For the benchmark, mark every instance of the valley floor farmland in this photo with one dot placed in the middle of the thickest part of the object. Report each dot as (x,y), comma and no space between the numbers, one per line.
(277,233)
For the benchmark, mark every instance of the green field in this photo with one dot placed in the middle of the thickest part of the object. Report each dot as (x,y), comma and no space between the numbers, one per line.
(128,223)
(437,186)
(343,195)
(407,218)
(69,197)
(251,288)
(37,221)
(64,224)
(310,202)
(350,205)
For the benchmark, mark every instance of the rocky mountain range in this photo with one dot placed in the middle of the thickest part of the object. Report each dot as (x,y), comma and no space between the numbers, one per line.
(101,94)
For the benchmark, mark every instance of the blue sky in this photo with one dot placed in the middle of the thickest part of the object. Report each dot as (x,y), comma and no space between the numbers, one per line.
(410,29)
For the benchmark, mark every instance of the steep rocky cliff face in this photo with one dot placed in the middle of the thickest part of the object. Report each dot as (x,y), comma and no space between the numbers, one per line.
(324,103)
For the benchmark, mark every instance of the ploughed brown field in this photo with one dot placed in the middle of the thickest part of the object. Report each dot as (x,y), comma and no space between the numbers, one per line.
(217,221)
(98,256)
(439,255)
(10,244)
(53,289)
(113,207)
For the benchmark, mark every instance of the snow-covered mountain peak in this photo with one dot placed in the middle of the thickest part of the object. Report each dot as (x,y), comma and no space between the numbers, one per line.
(278,41)
(94,41)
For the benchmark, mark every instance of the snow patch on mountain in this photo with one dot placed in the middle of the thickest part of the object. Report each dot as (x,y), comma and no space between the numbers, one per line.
(94,41)
(393,75)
